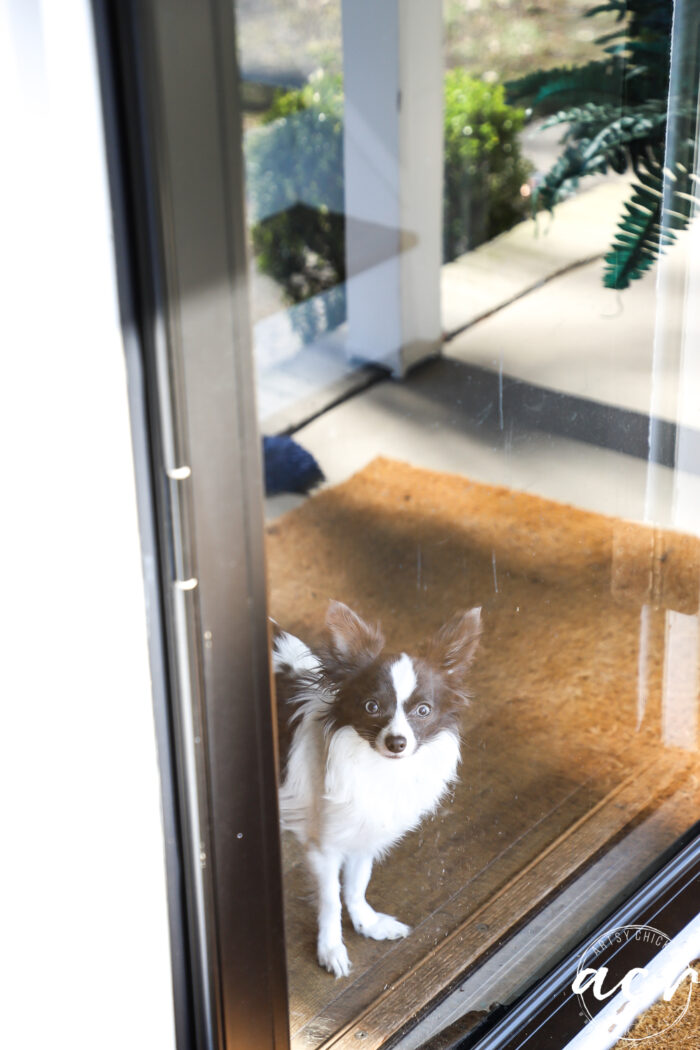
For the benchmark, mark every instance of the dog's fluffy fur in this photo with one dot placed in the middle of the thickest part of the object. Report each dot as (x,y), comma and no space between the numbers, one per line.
(374,745)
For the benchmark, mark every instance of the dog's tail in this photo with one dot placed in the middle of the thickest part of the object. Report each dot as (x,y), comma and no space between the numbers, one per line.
(297,688)
(291,657)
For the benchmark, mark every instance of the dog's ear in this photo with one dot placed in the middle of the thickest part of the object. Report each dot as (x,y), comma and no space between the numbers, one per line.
(454,646)
(352,643)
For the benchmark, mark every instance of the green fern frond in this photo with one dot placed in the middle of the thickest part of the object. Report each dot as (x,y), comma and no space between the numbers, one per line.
(615,114)
(620,6)
(636,66)
(619,34)
(630,140)
(592,119)
(547,91)
(590,114)
(653,217)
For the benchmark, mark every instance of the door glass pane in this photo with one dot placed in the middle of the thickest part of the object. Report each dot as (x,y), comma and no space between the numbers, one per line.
(475,281)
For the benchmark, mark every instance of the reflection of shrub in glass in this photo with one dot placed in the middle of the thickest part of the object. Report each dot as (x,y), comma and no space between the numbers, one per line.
(295,180)
(294,176)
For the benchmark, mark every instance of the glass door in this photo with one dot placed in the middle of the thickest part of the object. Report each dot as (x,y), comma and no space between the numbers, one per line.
(486,210)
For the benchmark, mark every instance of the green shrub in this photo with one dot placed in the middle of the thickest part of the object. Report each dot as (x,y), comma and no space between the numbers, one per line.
(297,155)
(484,168)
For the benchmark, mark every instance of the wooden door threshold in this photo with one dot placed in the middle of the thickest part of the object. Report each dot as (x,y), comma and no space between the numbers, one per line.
(402,1001)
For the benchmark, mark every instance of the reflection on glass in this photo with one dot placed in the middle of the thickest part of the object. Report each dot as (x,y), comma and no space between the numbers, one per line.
(506,415)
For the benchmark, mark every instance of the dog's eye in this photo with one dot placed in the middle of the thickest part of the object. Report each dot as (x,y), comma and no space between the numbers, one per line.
(371,706)
(423,710)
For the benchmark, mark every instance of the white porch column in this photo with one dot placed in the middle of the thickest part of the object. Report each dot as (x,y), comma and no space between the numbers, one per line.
(393,178)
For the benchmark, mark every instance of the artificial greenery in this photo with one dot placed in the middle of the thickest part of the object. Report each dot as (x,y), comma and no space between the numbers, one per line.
(616,110)
(298,154)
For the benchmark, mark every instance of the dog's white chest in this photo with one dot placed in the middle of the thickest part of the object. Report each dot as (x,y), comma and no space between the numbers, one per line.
(371,801)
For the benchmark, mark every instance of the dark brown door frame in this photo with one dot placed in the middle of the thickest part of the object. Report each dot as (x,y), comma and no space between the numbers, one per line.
(549,1014)
(171,90)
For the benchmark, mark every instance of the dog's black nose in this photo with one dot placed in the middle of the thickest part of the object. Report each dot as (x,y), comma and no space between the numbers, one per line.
(397,744)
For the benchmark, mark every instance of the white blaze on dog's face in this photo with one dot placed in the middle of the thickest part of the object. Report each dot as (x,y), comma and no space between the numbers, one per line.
(397,702)
(397,739)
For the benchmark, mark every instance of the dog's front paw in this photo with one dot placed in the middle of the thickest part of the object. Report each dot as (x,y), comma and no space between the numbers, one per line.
(383,928)
(334,958)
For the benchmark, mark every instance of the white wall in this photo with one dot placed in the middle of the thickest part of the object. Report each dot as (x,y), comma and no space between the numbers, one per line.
(84,941)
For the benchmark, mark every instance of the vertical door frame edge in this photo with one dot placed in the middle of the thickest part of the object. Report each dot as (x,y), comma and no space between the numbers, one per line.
(199,477)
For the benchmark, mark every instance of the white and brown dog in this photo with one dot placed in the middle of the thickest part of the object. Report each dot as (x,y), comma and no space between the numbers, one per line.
(374,743)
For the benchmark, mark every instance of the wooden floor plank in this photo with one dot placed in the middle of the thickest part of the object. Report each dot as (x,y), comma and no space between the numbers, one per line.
(448,960)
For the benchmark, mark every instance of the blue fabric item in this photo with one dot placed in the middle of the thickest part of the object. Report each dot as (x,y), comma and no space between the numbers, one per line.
(288,466)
